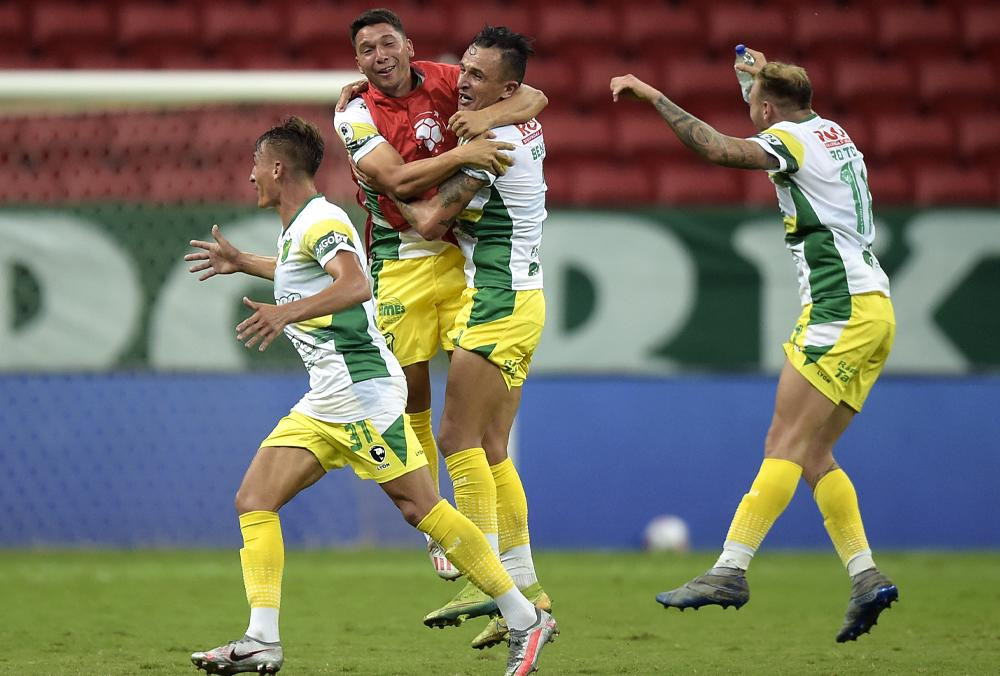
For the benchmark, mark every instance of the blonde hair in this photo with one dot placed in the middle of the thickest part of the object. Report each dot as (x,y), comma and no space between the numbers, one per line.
(787,83)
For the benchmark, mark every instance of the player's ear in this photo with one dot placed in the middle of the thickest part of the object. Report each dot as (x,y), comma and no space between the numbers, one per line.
(409,47)
(278,169)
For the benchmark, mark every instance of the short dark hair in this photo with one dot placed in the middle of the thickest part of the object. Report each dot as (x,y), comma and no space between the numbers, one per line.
(786,82)
(515,48)
(373,17)
(300,143)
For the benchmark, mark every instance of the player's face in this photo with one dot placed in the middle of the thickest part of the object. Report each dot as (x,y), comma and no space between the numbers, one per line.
(482,78)
(263,178)
(757,108)
(383,55)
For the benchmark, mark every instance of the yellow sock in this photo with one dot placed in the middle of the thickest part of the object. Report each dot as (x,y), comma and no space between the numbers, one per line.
(467,548)
(263,558)
(767,498)
(475,492)
(421,424)
(838,502)
(512,506)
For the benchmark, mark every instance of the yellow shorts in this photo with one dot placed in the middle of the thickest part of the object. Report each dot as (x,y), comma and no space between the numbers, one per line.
(502,326)
(417,300)
(377,448)
(840,345)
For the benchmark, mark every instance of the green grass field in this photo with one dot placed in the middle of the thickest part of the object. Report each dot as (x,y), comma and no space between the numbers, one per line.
(359,613)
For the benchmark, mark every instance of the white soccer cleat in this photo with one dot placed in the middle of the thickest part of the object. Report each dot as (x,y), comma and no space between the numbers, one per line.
(442,566)
(245,655)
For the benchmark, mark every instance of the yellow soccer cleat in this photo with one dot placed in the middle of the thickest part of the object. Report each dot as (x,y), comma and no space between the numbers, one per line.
(470,602)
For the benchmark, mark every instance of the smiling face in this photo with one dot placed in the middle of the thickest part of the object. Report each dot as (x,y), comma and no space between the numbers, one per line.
(383,55)
(483,78)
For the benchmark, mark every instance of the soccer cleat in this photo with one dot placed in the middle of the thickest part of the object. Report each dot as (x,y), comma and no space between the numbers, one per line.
(871,593)
(526,644)
(470,602)
(716,587)
(241,656)
(496,631)
(442,566)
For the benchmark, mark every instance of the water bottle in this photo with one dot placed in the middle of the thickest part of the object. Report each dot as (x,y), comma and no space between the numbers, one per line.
(745,79)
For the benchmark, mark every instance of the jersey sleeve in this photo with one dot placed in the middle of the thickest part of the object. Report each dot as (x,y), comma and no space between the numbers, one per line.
(357,130)
(325,239)
(782,144)
(507,134)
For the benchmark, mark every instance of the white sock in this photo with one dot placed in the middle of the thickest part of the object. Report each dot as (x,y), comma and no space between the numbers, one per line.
(735,555)
(494,540)
(516,609)
(264,625)
(520,566)
(860,562)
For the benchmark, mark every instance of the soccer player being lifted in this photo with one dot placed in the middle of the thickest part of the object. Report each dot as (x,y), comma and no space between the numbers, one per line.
(353,413)
(402,132)
(497,219)
(838,346)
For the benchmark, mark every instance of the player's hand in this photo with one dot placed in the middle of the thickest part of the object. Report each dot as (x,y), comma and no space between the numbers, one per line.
(470,123)
(263,326)
(218,258)
(349,91)
(754,69)
(632,87)
(368,179)
(485,153)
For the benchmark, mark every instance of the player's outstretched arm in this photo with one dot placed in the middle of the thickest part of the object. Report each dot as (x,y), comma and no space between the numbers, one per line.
(399,180)
(350,287)
(222,258)
(433,217)
(699,136)
(525,103)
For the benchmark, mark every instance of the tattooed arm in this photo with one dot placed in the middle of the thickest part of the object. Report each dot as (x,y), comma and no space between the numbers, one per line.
(433,217)
(700,137)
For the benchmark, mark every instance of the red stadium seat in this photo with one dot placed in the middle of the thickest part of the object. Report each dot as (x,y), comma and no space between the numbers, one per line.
(859,130)
(556,77)
(470,19)
(153,134)
(150,33)
(956,86)
(701,86)
(981,30)
(735,122)
(759,190)
(323,32)
(611,184)
(92,182)
(658,31)
(928,30)
(833,29)
(949,185)
(888,185)
(576,30)
(979,137)
(13,36)
(698,183)
(593,83)
(66,29)
(644,135)
(758,27)
(559,181)
(570,134)
(235,30)
(873,86)
(911,138)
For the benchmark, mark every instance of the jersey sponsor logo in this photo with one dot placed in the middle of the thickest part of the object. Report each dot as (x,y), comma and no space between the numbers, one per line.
(390,311)
(772,139)
(530,130)
(329,242)
(377,453)
(288,298)
(285,248)
(346,131)
(429,131)
(832,136)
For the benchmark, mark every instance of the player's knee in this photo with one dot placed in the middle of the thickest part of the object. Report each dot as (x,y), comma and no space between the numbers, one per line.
(248,500)
(411,512)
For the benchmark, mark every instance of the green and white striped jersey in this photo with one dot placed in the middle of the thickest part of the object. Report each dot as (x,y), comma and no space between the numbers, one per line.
(357,129)
(822,186)
(500,231)
(352,374)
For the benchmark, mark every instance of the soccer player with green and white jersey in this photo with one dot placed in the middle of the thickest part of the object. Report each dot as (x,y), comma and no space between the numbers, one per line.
(353,413)
(497,220)
(838,346)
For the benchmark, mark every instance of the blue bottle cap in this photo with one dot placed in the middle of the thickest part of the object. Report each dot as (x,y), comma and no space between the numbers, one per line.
(740,49)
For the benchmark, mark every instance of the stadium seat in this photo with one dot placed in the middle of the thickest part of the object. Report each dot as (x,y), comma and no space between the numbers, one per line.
(859,129)
(643,135)
(758,190)
(957,86)
(559,179)
(698,183)
(431,36)
(701,86)
(981,30)
(470,19)
(833,29)
(555,77)
(569,134)
(575,30)
(660,31)
(889,184)
(979,138)
(911,138)
(66,29)
(154,134)
(78,133)
(929,31)
(760,27)
(235,29)
(611,184)
(322,32)
(951,185)
(96,182)
(13,36)
(593,82)
(874,86)
(150,33)
(731,122)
